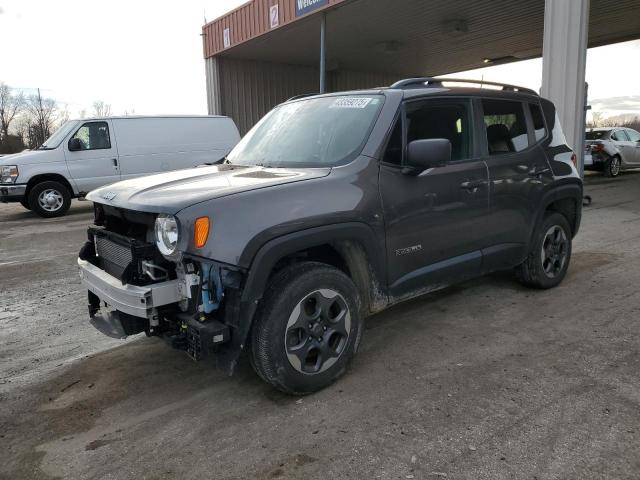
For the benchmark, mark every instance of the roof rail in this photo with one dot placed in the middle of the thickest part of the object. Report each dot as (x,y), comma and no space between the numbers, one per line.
(304,95)
(434,82)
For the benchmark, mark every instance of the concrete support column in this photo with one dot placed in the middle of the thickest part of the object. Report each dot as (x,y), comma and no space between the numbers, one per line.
(213,79)
(564,58)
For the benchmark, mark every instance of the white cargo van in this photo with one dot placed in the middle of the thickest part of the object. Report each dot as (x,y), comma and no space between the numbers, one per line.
(86,154)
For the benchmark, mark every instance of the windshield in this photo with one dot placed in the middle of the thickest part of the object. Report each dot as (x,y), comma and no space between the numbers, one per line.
(597,134)
(54,140)
(317,132)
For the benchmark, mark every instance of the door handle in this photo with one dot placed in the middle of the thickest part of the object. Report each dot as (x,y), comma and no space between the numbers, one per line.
(115,162)
(471,185)
(536,172)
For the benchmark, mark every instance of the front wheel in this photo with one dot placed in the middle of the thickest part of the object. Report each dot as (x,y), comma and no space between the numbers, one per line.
(547,264)
(50,199)
(308,328)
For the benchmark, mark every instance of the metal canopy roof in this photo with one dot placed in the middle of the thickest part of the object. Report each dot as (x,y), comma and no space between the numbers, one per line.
(415,37)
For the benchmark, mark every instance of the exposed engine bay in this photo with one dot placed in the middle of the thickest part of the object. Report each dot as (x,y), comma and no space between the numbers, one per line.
(133,288)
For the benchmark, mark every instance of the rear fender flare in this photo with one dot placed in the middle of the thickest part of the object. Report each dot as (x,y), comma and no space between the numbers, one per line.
(571,190)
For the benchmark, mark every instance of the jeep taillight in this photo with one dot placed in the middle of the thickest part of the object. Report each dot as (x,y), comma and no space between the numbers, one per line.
(574,160)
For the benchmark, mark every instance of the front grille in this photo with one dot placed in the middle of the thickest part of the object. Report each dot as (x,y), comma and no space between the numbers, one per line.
(113,252)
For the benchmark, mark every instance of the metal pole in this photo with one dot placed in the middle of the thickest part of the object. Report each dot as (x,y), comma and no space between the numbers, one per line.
(584,129)
(323,52)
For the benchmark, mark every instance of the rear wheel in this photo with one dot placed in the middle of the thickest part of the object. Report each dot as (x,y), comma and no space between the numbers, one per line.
(612,167)
(307,329)
(50,199)
(547,264)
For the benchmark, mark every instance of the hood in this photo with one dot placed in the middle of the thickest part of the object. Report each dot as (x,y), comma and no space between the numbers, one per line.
(27,156)
(173,191)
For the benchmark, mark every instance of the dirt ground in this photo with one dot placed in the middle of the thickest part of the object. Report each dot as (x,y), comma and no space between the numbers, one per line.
(486,380)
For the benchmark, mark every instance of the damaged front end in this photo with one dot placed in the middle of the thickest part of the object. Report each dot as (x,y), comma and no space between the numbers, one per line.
(192,303)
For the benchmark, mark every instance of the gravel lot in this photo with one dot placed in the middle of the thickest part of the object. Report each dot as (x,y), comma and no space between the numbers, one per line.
(486,380)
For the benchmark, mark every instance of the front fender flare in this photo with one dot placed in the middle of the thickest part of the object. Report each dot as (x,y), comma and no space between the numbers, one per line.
(241,306)
(268,255)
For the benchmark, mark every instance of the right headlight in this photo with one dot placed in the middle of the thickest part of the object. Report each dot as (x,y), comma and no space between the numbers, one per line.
(9,174)
(166,234)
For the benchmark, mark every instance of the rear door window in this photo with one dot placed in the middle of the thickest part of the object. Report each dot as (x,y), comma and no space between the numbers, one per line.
(506,127)
(633,135)
(619,136)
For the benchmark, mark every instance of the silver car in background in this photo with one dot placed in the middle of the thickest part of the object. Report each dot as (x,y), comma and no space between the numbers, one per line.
(610,150)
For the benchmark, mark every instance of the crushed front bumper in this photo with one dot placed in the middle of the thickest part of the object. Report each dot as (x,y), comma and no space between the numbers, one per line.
(133,300)
(119,310)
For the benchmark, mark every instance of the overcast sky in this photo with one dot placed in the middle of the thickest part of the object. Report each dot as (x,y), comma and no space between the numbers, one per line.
(146,56)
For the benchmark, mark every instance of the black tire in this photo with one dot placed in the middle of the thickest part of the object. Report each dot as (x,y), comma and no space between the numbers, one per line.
(25,203)
(40,206)
(613,166)
(317,292)
(547,264)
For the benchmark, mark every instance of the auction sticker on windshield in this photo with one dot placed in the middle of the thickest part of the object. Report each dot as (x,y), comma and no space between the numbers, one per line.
(351,102)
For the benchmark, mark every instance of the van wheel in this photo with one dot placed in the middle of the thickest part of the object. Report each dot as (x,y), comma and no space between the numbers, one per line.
(25,203)
(50,199)
(547,264)
(612,167)
(307,329)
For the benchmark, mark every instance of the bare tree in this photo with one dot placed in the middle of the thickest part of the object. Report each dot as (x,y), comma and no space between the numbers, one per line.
(596,118)
(41,118)
(101,109)
(599,120)
(11,104)
(635,124)
(63,116)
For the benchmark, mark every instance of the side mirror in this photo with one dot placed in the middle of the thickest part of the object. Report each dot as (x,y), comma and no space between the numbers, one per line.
(427,153)
(75,144)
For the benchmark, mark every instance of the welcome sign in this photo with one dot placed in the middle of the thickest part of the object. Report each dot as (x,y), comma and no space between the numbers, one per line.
(305,6)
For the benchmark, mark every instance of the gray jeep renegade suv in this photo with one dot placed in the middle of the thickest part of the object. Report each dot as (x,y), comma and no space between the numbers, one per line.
(331,208)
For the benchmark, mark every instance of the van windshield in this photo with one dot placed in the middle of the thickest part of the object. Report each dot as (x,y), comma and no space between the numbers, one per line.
(317,132)
(59,135)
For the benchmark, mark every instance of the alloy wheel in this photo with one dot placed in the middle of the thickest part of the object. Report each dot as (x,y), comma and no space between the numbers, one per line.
(317,331)
(555,247)
(614,167)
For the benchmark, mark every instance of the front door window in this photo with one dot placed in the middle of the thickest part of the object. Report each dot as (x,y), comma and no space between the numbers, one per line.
(92,136)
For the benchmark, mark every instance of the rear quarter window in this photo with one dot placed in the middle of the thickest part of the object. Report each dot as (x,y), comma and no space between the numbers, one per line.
(597,134)
(537,118)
